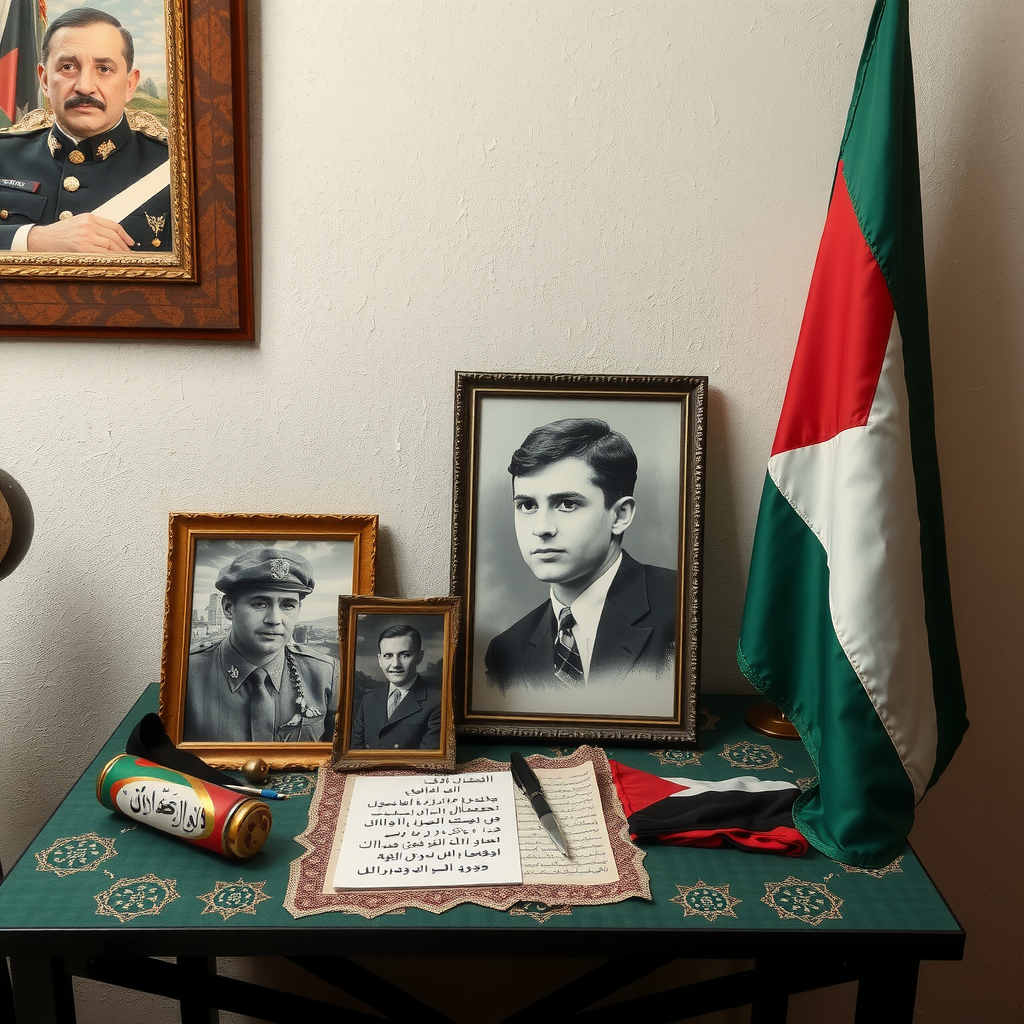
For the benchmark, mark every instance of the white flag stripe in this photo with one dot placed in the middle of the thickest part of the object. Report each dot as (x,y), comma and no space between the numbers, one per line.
(856,492)
(740,784)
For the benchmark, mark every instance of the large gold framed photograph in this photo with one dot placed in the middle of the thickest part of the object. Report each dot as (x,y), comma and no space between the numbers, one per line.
(397,671)
(250,655)
(124,171)
(577,551)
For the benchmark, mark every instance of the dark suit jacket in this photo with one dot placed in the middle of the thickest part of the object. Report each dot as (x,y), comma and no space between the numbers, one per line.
(636,633)
(416,723)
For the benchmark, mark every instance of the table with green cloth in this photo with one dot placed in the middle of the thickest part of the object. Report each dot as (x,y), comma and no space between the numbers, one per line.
(100,896)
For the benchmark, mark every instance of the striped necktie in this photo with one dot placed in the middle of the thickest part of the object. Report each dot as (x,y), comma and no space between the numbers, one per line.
(568,664)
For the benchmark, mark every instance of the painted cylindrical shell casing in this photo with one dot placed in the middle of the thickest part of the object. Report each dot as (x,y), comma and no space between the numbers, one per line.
(181,805)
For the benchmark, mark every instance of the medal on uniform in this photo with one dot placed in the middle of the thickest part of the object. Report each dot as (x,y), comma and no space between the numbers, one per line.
(156,225)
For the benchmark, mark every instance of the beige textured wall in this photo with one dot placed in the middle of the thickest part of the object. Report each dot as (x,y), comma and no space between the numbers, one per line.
(629,187)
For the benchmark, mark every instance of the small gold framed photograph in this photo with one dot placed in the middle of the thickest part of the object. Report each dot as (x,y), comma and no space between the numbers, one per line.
(397,662)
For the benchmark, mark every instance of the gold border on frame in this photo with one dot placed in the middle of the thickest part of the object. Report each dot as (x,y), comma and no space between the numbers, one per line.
(185,529)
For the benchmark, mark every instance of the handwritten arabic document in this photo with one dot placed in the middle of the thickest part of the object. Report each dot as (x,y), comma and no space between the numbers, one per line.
(412,831)
(574,798)
(310,890)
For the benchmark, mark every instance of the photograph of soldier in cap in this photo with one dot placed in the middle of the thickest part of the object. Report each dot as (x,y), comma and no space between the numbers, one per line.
(263,663)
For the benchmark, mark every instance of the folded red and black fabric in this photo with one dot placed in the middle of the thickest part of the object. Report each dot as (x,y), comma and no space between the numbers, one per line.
(751,814)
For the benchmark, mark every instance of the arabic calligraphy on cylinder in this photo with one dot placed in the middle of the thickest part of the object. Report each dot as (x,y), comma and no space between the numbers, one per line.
(181,805)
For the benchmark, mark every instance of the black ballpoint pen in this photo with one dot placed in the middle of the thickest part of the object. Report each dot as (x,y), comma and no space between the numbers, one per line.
(526,779)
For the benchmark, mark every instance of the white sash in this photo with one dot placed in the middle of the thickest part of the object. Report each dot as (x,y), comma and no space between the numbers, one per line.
(117,208)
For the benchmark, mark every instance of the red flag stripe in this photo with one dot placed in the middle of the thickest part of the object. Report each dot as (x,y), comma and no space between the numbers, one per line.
(8,82)
(843,337)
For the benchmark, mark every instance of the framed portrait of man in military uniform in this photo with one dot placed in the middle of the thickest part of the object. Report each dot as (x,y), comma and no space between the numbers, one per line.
(251,657)
(113,114)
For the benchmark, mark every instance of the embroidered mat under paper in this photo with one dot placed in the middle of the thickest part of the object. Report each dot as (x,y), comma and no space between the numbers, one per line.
(308,874)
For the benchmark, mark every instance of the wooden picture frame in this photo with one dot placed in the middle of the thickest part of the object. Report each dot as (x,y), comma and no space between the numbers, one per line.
(203,289)
(218,562)
(389,639)
(637,679)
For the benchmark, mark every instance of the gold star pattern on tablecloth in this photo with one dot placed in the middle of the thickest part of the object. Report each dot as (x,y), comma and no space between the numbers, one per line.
(708,721)
(796,900)
(540,912)
(78,853)
(892,868)
(292,783)
(230,898)
(708,901)
(136,897)
(677,758)
(756,757)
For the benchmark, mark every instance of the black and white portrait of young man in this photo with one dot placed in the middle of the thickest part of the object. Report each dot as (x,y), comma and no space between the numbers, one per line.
(576,585)
(399,667)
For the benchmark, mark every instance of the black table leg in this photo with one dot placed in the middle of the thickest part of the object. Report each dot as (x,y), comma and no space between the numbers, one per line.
(6,995)
(195,1008)
(43,992)
(770,1009)
(887,993)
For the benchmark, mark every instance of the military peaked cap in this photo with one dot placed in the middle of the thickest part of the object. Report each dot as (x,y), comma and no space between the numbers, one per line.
(267,568)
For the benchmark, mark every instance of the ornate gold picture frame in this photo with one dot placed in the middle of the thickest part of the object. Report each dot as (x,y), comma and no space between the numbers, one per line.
(202,287)
(581,494)
(250,632)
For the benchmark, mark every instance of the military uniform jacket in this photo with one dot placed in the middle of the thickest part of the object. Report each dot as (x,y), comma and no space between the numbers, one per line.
(46,176)
(217,699)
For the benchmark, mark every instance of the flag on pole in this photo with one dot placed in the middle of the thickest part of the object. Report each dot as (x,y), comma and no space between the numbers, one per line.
(848,624)
(20,34)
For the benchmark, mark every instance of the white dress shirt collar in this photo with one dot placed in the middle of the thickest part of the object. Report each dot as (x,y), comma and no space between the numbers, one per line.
(586,610)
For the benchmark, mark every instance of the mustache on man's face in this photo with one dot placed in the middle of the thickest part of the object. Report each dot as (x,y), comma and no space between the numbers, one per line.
(84,101)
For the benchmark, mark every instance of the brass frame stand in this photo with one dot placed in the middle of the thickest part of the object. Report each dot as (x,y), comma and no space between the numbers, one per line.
(766,718)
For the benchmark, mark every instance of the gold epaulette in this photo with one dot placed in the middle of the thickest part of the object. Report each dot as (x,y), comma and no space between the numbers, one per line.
(31,122)
(138,120)
(146,123)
